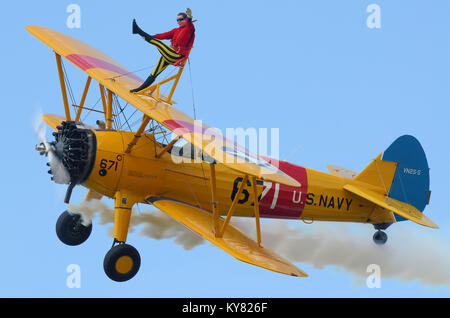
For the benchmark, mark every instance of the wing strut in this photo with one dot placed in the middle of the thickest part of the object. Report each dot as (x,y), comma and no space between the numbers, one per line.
(166,148)
(63,85)
(107,106)
(108,115)
(214,202)
(83,98)
(256,209)
(219,232)
(102,94)
(139,132)
(233,206)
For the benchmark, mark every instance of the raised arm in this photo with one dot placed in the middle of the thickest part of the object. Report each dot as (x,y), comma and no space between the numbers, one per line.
(189,17)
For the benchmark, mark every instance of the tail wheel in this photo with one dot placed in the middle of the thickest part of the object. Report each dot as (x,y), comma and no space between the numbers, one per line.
(70,230)
(380,237)
(122,262)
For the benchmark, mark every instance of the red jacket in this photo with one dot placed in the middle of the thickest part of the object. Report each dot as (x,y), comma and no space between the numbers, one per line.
(182,38)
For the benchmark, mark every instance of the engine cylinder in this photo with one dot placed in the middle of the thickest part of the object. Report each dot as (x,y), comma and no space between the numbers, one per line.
(75,146)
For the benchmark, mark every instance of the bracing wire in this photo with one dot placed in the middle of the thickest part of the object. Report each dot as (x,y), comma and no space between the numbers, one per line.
(192,88)
(122,111)
(195,117)
(129,119)
(116,119)
(89,111)
(67,82)
(133,72)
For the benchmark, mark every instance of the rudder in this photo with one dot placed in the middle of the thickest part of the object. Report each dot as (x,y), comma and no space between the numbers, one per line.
(411,180)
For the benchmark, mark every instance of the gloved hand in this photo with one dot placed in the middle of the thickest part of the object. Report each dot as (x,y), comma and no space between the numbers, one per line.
(189,13)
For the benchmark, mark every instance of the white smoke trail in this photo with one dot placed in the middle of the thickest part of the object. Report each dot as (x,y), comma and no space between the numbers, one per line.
(155,225)
(39,126)
(408,255)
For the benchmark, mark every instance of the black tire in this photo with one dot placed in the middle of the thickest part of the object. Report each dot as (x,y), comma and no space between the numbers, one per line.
(122,262)
(70,231)
(380,237)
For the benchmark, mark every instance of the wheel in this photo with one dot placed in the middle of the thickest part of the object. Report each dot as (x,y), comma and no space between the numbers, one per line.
(70,230)
(380,237)
(122,262)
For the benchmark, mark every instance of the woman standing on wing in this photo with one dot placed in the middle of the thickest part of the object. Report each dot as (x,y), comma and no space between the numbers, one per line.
(182,39)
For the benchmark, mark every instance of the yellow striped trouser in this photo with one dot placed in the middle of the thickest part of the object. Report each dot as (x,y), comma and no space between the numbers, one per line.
(168,56)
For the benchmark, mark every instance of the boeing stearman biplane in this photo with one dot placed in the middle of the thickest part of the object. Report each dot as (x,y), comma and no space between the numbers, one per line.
(223,179)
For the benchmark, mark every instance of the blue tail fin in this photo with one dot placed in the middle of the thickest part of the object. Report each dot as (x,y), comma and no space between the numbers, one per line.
(411,183)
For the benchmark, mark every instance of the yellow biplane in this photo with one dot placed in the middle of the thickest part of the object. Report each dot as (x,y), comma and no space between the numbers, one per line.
(216,180)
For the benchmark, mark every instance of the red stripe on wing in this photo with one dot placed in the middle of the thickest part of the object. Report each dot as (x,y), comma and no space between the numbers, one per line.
(86,62)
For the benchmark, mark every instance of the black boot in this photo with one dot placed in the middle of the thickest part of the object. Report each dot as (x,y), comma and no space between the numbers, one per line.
(138,30)
(144,85)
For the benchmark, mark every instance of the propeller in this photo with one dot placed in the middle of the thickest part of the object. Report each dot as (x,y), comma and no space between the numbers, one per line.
(71,155)
(59,173)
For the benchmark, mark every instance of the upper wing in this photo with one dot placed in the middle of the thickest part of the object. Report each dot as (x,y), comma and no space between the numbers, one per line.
(233,241)
(119,80)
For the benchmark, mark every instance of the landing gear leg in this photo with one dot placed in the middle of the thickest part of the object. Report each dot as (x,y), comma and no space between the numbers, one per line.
(122,261)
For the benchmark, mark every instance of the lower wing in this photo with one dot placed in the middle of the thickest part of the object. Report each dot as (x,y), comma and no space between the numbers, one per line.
(234,242)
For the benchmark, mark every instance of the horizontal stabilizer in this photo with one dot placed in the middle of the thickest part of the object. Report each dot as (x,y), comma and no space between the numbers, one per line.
(406,210)
(234,242)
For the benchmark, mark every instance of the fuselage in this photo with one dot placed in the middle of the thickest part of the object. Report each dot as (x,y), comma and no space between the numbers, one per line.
(321,196)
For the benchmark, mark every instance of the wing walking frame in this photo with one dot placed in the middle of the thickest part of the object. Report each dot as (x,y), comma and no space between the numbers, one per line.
(153,91)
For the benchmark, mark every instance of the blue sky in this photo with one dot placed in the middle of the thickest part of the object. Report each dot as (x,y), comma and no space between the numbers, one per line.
(339,91)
